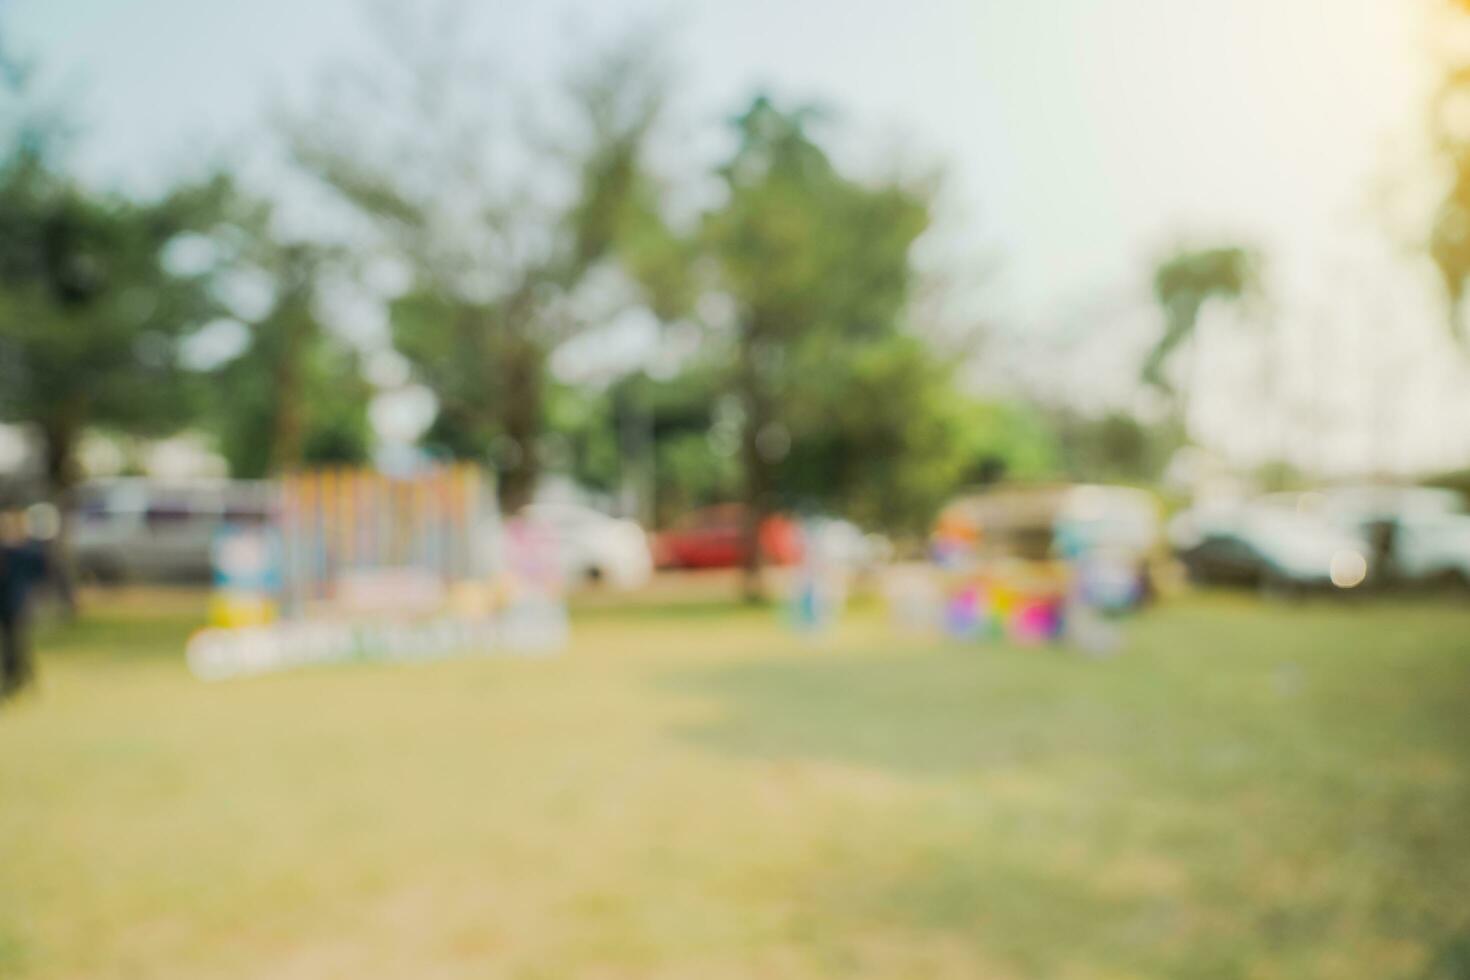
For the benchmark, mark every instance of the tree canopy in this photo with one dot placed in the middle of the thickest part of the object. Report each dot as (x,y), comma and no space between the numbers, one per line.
(839,405)
(1183,284)
(90,310)
(496,251)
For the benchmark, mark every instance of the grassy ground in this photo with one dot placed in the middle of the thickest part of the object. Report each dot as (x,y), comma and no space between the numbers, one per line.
(1249,791)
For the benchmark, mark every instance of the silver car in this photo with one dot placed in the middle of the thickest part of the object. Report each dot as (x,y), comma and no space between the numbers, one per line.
(140,530)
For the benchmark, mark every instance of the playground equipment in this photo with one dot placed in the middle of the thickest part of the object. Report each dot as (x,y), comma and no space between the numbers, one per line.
(357,564)
(1038,564)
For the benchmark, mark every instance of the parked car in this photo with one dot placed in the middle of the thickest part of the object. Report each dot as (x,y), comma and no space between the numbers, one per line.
(134,529)
(1421,534)
(1433,548)
(1414,534)
(713,537)
(1266,545)
(593,547)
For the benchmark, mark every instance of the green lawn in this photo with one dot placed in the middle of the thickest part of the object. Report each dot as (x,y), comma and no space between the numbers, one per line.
(1249,791)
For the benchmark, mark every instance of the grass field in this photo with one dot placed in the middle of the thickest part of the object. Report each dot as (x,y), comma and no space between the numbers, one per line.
(1249,791)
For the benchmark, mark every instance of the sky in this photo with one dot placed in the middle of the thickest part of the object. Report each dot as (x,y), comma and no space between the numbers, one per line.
(1080,139)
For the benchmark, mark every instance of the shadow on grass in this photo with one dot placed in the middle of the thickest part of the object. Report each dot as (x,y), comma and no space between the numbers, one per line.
(1206,697)
(601,608)
(1016,907)
(1039,893)
(1139,813)
(936,711)
(109,636)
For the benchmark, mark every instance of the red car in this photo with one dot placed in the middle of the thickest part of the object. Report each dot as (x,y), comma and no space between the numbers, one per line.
(714,538)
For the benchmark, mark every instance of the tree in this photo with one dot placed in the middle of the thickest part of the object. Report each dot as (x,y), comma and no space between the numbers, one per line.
(817,268)
(642,431)
(1115,446)
(90,313)
(1449,237)
(296,394)
(1183,284)
(498,227)
(882,436)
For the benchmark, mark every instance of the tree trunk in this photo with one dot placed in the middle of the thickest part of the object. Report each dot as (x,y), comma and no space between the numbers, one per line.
(288,433)
(752,586)
(636,454)
(517,480)
(1187,394)
(520,469)
(61,478)
(756,471)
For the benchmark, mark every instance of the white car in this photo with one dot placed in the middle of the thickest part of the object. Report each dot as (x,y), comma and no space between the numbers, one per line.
(593,547)
(1434,546)
(1425,530)
(1271,545)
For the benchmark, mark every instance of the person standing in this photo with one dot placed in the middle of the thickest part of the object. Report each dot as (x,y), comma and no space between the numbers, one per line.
(22,567)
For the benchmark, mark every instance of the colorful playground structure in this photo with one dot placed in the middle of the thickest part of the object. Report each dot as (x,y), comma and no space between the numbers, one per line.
(1037,565)
(353,563)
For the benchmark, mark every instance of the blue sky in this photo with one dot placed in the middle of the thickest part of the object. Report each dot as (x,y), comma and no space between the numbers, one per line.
(1081,138)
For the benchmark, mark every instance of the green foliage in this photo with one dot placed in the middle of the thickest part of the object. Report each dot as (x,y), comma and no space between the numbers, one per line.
(1280,475)
(1182,286)
(668,425)
(1115,447)
(813,258)
(1009,436)
(694,428)
(692,474)
(1449,234)
(1450,247)
(841,407)
(471,357)
(618,96)
(587,424)
(247,415)
(495,267)
(880,436)
(295,395)
(89,314)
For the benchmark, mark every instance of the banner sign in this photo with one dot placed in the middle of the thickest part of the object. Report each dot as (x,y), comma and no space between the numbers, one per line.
(528,630)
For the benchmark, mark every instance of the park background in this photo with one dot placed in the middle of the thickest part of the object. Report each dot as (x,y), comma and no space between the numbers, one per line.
(803,256)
